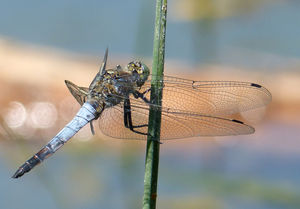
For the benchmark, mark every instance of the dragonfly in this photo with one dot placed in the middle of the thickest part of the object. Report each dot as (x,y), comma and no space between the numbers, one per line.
(119,98)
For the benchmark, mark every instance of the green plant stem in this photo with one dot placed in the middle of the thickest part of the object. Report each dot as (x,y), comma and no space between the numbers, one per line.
(153,141)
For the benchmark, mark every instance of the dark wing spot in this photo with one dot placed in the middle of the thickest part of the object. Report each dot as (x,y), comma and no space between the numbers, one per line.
(237,121)
(256,85)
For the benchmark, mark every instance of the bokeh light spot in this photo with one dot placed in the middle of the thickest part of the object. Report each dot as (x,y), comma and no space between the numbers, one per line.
(42,115)
(15,116)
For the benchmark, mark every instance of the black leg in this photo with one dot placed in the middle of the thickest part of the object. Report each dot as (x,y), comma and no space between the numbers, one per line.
(138,94)
(126,112)
(92,128)
(128,118)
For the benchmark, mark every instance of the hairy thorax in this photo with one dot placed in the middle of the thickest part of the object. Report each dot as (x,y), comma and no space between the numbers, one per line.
(113,88)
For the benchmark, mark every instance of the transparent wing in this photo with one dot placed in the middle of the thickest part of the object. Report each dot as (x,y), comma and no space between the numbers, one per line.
(217,98)
(174,124)
(79,93)
(189,108)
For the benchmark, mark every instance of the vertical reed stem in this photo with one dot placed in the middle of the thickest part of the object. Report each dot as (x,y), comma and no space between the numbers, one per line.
(153,141)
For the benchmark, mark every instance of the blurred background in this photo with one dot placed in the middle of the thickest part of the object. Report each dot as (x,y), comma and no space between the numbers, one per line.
(43,43)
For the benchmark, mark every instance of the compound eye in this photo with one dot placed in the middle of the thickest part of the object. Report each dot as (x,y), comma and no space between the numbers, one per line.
(130,64)
(140,71)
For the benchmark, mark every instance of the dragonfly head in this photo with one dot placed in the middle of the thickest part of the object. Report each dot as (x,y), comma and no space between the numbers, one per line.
(140,72)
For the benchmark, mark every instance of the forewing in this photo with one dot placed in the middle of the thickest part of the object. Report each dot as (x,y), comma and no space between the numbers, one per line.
(174,124)
(215,98)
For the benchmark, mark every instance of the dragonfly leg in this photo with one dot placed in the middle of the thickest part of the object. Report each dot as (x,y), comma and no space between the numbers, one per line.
(128,118)
(138,94)
(92,128)
(126,112)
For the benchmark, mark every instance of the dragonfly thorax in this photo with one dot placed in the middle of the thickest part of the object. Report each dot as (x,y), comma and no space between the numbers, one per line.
(116,84)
